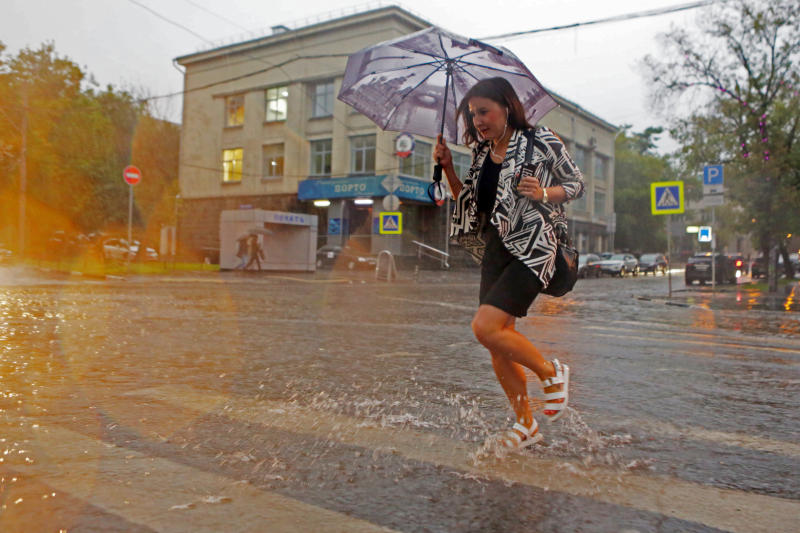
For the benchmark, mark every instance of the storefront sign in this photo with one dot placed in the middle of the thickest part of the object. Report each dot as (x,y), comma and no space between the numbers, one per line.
(362,187)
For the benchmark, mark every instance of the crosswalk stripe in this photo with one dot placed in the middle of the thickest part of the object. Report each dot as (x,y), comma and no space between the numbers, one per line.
(144,490)
(741,440)
(669,341)
(731,510)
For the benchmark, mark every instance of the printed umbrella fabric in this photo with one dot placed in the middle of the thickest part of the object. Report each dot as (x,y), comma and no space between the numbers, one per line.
(400,84)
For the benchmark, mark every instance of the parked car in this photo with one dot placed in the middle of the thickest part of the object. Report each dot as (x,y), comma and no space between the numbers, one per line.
(148,254)
(620,265)
(117,249)
(589,266)
(347,257)
(698,268)
(759,266)
(653,263)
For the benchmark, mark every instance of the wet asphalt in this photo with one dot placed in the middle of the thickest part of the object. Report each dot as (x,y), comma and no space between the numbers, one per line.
(697,393)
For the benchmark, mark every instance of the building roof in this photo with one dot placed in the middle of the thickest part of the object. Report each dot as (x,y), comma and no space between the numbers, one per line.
(281,33)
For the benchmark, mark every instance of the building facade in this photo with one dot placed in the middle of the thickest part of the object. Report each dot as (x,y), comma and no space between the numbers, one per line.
(262,128)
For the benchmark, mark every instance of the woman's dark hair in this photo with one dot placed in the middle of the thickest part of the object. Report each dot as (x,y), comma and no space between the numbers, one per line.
(500,91)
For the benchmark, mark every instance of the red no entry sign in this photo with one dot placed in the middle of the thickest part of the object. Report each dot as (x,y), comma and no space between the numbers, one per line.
(132,175)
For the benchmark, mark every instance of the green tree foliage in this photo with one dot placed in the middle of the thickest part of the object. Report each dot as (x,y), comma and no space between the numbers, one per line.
(79,138)
(731,89)
(636,167)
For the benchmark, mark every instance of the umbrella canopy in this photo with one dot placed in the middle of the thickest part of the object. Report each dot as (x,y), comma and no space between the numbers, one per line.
(414,83)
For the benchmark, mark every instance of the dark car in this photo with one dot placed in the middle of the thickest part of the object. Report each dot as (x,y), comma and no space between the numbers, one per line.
(759,266)
(334,256)
(589,266)
(654,263)
(698,268)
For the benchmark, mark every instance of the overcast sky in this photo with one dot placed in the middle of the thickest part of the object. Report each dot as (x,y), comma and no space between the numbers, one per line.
(121,43)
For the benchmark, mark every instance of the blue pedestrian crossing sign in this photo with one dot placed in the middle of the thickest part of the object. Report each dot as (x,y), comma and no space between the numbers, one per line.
(391,223)
(666,197)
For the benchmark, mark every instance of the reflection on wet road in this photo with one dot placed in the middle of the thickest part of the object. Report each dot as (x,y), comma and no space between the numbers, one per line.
(311,403)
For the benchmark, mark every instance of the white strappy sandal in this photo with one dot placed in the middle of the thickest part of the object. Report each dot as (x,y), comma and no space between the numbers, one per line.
(514,441)
(560,407)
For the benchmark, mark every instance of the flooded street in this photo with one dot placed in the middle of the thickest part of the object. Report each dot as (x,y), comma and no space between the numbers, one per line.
(332,402)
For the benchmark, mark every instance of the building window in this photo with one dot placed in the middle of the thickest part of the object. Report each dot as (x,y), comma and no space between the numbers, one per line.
(461,163)
(599,203)
(273,161)
(580,204)
(362,154)
(600,167)
(321,157)
(234,110)
(277,100)
(232,165)
(418,164)
(322,99)
(580,157)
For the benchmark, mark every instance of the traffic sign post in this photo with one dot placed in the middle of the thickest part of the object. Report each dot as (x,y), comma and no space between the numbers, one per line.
(666,198)
(132,176)
(713,190)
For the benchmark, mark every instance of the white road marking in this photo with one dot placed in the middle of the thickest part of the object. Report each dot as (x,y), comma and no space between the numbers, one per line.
(161,494)
(732,510)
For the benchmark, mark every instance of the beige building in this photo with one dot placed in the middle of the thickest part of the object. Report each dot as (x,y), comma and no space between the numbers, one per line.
(262,128)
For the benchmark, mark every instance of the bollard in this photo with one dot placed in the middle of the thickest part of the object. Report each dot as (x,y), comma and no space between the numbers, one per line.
(416,273)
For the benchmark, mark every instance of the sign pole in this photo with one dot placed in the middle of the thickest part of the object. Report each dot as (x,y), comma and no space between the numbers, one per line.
(669,254)
(713,253)
(130,211)
(132,176)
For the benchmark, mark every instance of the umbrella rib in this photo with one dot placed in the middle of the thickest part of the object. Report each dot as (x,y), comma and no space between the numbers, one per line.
(494,68)
(463,69)
(389,118)
(439,35)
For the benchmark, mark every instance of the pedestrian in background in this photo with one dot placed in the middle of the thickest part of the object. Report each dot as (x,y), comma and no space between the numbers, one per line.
(241,251)
(254,252)
(496,220)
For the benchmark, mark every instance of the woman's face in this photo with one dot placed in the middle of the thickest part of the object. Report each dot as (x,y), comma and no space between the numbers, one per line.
(489,117)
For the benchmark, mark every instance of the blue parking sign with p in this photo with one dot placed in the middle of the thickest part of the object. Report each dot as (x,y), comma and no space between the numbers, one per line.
(712,175)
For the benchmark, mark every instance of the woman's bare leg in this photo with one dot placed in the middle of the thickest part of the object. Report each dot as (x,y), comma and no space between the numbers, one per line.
(494,328)
(489,326)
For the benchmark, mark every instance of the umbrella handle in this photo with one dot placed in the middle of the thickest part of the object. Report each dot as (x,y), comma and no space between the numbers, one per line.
(437,172)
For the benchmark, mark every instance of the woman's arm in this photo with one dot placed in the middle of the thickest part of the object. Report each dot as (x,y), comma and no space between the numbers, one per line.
(566,172)
(442,155)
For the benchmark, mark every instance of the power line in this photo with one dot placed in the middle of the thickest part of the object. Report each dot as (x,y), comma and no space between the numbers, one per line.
(616,18)
(229,21)
(242,76)
(170,21)
(279,66)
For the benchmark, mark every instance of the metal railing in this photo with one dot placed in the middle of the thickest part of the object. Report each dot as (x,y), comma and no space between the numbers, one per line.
(429,251)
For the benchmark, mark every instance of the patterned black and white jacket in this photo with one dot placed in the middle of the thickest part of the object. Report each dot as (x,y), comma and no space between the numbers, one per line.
(525,232)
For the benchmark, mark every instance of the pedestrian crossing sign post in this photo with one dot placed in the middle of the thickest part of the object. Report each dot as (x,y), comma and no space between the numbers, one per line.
(391,223)
(666,197)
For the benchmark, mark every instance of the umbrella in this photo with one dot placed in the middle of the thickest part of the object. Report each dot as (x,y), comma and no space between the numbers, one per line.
(414,83)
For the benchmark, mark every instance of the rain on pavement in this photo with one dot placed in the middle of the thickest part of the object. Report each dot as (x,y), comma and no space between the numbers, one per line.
(332,402)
